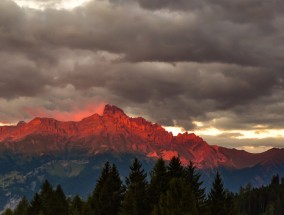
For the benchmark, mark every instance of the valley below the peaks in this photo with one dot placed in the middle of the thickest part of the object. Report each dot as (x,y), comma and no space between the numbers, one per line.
(69,153)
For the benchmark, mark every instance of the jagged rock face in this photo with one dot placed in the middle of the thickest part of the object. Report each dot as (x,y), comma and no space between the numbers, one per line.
(114,131)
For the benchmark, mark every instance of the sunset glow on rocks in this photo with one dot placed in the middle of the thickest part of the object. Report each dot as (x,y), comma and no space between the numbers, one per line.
(219,76)
(198,83)
(73,115)
(113,131)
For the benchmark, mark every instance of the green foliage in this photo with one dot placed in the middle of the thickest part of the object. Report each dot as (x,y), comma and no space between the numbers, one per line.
(108,192)
(220,201)
(94,204)
(8,211)
(158,183)
(217,197)
(179,199)
(47,200)
(173,190)
(193,177)
(76,206)
(135,201)
(263,200)
(275,180)
(60,203)
(175,168)
(22,208)
(36,205)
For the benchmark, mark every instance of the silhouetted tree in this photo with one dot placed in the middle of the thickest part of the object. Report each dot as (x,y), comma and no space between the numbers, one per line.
(8,211)
(109,196)
(275,180)
(182,195)
(47,199)
(193,177)
(135,201)
(217,197)
(76,206)
(22,207)
(179,199)
(175,168)
(60,203)
(93,203)
(36,205)
(159,182)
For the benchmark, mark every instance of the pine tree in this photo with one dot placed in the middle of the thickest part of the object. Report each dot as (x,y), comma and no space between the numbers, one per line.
(22,208)
(8,211)
(60,203)
(179,199)
(175,168)
(47,199)
(159,182)
(275,180)
(103,178)
(108,197)
(217,197)
(76,207)
(36,205)
(231,206)
(116,189)
(88,208)
(193,177)
(93,203)
(135,202)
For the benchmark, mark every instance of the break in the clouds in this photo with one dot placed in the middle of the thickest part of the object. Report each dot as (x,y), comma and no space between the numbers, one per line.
(212,66)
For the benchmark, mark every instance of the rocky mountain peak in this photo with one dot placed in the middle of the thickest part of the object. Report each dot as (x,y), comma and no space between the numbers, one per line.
(110,110)
(115,132)
(21,123)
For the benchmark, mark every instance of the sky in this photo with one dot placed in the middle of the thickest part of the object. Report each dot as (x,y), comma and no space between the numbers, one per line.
(213,67)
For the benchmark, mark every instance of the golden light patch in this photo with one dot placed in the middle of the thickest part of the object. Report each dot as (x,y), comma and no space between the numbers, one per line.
(65,4)
(198,124)
(6,124)
(261,134)
(174,130)
(255,149)
(208,131)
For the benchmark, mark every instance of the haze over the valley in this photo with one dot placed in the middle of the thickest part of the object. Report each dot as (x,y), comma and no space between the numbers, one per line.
(210,67)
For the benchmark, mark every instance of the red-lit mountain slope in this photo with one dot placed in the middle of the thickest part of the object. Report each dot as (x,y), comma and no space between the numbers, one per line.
(115,132)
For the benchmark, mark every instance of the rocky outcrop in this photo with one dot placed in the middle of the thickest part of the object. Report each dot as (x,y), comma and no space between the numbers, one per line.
(114,131)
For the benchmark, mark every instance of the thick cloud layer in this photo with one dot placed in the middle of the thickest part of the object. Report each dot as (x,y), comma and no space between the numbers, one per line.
(174,62)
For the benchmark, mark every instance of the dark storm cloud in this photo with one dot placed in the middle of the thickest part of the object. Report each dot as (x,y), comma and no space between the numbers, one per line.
(241,32)
(174,62)
(250,10)
(20,77)
(198,35)
(183,91)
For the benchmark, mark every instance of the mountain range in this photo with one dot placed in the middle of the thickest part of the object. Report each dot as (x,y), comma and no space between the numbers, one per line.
(69,152)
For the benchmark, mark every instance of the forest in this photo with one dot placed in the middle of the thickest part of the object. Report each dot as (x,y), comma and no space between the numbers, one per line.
(173,189)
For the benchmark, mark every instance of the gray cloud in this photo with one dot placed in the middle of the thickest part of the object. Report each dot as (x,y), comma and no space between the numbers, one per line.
(173,62)
(20,77)
(197,35)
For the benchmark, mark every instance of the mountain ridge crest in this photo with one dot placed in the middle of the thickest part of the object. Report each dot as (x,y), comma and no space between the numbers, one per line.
(115,132)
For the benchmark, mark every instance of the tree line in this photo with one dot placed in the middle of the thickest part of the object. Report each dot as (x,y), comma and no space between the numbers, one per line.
(173,189)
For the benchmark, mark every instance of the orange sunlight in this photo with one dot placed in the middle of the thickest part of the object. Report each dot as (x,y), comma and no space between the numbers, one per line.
(74,115)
